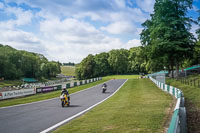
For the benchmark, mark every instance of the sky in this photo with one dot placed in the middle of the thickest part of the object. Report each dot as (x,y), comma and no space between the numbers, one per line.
(69,30)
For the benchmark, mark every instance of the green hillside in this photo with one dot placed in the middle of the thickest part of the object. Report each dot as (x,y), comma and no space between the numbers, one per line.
(68,70)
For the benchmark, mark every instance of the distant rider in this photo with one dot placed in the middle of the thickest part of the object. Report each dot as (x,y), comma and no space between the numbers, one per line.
(104,85)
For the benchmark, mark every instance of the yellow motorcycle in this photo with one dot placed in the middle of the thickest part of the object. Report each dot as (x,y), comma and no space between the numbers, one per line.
(65,100)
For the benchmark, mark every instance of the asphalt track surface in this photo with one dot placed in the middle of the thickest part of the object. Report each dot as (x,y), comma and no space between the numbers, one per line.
(36,117)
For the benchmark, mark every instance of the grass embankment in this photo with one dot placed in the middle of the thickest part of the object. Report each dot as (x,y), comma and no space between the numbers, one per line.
(121,76)
(68,70)
(139,106)
(44,96)
(192,103)
(10,83)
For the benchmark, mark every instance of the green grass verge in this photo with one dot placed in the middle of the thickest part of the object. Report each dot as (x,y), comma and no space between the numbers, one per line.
(44,96)
(192,103)
(121,77)
(139,106)
(68,70)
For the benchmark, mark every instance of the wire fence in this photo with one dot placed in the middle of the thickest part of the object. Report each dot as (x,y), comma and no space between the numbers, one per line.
(191,82)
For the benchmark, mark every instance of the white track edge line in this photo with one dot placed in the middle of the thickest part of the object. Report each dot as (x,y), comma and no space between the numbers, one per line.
(49,99)
(78,114)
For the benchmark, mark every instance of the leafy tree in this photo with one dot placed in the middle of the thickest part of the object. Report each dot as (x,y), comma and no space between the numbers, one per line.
(102,66)
(118,60)
(86,68)
(137,60)
(167,33)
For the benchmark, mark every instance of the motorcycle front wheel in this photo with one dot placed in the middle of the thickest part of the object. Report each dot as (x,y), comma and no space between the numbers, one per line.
(63,104)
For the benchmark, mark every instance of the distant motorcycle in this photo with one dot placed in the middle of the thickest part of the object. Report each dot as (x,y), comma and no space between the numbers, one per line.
(104,88)
(65,100)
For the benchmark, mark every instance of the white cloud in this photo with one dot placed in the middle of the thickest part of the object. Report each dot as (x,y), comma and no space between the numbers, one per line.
(21,40)
(19,36)
(72,40)
(67,26)
(133,43)
(120,27)
(22,17)
(120,3)
(146,5)
(15,37)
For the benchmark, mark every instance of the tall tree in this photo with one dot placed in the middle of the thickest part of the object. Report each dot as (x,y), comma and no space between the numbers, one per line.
(167,33)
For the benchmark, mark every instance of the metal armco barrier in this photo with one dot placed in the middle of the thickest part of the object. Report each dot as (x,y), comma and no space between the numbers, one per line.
(178,122)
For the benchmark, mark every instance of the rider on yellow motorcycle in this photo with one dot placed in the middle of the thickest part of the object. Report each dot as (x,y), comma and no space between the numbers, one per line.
(65,98)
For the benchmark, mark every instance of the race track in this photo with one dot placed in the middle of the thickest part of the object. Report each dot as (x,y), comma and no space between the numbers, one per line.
(37,117)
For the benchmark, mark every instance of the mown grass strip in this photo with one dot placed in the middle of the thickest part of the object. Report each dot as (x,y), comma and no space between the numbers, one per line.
(44,96)
(139,106)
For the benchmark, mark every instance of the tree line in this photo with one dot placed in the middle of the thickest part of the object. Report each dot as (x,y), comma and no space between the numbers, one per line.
(69,64)
(119,61)
(167,44)
(15,64)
